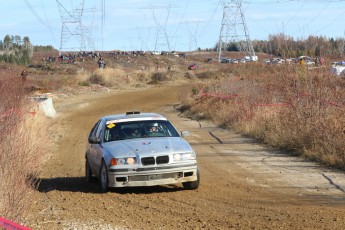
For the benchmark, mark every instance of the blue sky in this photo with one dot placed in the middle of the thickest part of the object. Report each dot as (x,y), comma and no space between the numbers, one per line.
(165,24)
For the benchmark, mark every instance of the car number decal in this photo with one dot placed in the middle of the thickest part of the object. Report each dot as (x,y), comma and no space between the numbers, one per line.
(110,126)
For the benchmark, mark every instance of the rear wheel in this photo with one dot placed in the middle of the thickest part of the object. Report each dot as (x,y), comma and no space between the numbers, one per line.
(193,184)
(103,178)
(88,172)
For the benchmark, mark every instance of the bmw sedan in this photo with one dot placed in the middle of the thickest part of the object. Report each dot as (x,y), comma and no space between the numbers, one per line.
(139,149)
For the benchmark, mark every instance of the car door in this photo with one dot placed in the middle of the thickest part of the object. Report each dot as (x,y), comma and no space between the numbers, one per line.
(95,149)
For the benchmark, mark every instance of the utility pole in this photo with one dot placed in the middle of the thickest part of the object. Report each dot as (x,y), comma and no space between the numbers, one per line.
(234,29)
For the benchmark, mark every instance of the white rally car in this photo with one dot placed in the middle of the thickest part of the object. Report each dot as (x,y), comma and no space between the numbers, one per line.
(139,149)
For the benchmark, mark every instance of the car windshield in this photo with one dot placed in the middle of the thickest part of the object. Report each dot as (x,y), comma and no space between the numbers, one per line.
(139,129)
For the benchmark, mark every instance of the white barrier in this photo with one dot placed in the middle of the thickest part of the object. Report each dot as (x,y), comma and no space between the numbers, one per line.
(45,104)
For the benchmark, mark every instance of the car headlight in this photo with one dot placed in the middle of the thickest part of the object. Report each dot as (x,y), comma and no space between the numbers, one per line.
(123,161)
(184,156)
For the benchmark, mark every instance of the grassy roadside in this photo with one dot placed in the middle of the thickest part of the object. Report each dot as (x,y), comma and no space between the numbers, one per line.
(289,107)
(22,149)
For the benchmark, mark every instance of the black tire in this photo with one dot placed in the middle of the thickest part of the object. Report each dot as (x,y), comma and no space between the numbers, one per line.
(88,171)
(193,184)
(103,178)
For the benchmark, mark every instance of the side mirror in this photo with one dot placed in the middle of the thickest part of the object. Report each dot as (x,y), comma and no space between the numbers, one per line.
(185,133)
(93,140)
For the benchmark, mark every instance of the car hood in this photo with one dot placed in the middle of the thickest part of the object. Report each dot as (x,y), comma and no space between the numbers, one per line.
(147,147)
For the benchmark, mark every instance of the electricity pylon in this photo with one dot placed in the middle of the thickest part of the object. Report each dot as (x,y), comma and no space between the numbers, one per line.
(72,30)
(162,39)
(193,44)
(75,35)
(234,29)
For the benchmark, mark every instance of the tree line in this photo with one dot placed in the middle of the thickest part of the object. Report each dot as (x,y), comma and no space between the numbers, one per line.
(286,46)
(14,49)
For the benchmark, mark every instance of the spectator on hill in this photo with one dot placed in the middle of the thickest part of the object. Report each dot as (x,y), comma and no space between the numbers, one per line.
(302,62)
(101,63)
(24,74)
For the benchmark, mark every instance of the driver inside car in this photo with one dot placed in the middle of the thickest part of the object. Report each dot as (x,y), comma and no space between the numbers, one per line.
(152,129)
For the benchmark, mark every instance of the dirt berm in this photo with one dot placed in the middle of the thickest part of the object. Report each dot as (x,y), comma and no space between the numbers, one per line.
(244,185)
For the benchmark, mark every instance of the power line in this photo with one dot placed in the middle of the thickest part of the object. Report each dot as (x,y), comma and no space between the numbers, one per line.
(103,22)
(306,22)
(27,3)
(318,14)
(162,38)
(180,21)
(192,34)
(211,19)
(298,11)
(44,23)
(335,19)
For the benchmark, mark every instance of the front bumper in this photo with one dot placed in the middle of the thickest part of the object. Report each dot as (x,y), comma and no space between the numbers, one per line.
(151,176)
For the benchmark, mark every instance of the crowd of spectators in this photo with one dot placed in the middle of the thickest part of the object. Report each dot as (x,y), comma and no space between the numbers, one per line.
(71,57)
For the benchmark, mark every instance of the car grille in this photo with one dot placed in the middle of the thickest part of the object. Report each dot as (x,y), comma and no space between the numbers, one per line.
(155,160)
(155,177)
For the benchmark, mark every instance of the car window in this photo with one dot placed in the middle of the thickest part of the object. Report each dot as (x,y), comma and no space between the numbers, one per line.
(139,129)
(94,129)
(99,131)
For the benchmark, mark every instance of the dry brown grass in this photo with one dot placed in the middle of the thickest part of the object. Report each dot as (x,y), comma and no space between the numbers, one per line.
(288,107)
(114,78)
(22,151)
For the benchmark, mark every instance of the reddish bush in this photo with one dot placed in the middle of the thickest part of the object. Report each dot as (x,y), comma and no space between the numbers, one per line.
(21,150)
(286,106)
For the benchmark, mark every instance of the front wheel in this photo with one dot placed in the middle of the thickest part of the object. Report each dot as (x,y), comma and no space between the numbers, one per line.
(193,184)
(103,178)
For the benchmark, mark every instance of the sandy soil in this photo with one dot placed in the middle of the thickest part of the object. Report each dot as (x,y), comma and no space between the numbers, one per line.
(244,185)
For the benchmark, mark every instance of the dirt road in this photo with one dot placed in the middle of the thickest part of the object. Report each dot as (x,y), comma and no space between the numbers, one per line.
(244,185)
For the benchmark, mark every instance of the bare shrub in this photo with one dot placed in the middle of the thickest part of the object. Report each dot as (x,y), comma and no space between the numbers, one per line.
(158,77)
(139,78)
(109,77)
(97,79)
(205,75)
(142,76)
(112,76)
(22,151)
(82,78)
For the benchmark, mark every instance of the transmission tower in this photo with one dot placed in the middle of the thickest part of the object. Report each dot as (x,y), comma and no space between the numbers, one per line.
(193,43)
(74,34)
(162,40)
(234,29)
